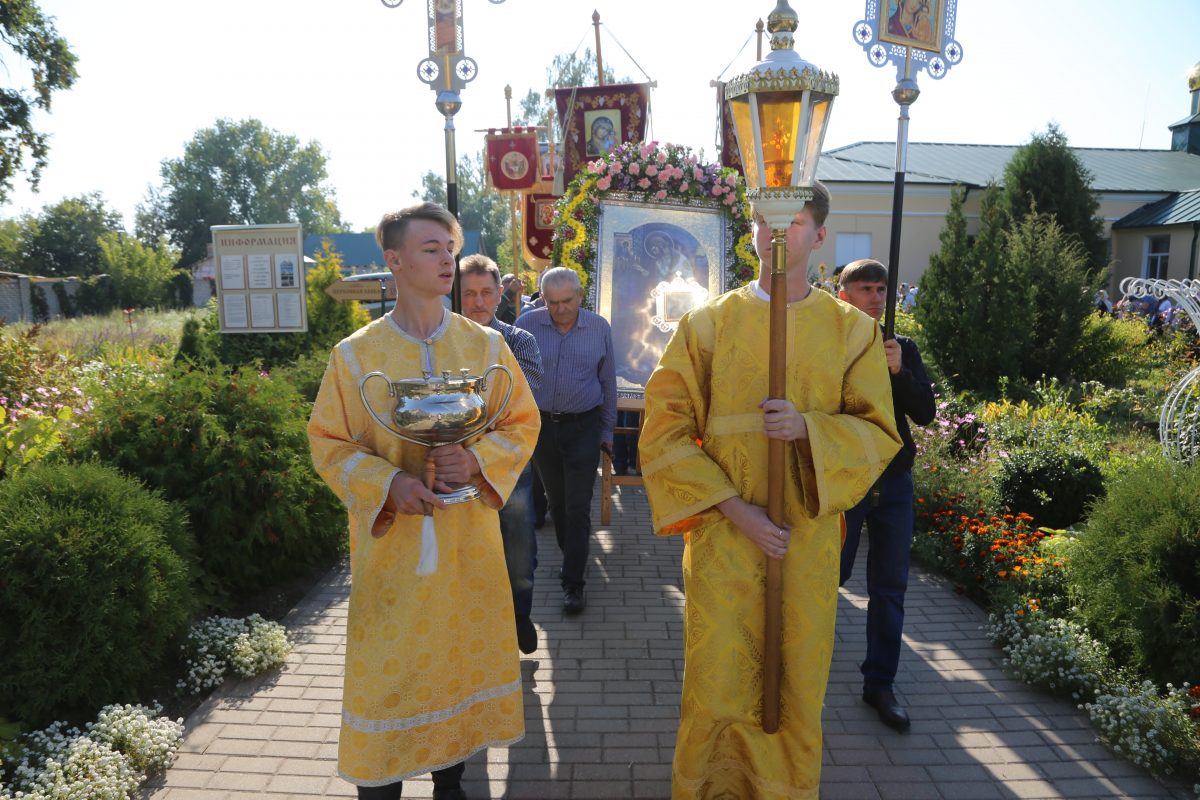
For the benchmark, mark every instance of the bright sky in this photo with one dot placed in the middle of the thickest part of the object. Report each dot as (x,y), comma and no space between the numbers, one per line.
(343,73)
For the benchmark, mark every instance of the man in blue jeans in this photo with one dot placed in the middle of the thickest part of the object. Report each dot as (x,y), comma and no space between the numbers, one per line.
(888,507)
(479,283)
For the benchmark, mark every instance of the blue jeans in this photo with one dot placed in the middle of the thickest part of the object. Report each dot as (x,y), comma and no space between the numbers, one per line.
(520,544)
(890,528)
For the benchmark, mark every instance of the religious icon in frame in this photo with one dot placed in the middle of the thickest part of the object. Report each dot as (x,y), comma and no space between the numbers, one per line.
(913,23)
(654,263)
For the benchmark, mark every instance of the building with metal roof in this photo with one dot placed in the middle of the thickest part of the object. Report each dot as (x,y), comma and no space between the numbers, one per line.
(1149,199)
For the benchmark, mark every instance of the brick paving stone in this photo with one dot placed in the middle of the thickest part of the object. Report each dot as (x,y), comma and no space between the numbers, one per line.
(602,701)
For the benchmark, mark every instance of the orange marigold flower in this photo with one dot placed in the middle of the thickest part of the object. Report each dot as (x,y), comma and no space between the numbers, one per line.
(1002,573)
(1001,558)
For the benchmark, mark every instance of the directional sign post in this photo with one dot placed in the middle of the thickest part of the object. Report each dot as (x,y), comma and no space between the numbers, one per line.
(345,290)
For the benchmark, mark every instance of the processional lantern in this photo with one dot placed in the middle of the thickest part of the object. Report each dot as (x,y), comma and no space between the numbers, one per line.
(780,111)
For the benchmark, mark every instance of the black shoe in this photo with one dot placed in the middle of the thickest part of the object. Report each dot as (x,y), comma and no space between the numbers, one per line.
(449,793)
(620,471)
(890,711)
(526,634)
(573,599)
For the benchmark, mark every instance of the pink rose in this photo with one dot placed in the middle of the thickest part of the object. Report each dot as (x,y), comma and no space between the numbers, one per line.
(644,183)
(604,183)
(647,148)
(730,199)
(635,168)
(651,170)
(717,190)
(683,186)
(661,194)
(697,174)
(662,157)
(614,168)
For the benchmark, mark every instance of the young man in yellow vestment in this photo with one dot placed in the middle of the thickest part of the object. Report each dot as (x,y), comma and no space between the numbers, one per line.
(704,458)
(432,672)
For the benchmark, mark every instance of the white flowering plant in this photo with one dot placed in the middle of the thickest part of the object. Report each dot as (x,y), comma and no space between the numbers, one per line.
(1152,729)
(217,645)
(1051,652)
(107,761)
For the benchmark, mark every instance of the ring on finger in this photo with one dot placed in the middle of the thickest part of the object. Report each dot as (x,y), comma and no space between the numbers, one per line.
(779,533)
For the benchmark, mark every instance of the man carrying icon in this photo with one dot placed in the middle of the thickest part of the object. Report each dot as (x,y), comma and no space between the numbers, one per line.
(432,674)
(888,509)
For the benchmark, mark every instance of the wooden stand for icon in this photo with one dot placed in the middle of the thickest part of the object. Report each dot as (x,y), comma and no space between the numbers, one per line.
(607,479)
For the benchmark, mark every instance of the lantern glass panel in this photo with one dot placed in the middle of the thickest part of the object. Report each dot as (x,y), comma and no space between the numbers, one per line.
(779,120)
(743,127)
(816,132)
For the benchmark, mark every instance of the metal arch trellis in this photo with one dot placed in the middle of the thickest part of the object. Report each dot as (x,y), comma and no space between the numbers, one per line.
(1179,420)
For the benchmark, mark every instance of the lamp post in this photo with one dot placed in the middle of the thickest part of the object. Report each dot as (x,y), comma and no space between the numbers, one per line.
(447,70)
(780,111)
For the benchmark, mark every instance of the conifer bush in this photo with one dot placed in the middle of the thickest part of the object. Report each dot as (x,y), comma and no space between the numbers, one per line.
(94,583)
(232,448)
(1053,485)
(1136,570)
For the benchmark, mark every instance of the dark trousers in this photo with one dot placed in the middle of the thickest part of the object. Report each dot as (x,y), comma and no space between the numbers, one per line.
(446,778)
(520,543)
(539,500)
(566,457)
(890,529)
(625,445)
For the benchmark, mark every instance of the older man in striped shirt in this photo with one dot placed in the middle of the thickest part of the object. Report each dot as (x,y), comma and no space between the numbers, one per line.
(578,401)
(480,285)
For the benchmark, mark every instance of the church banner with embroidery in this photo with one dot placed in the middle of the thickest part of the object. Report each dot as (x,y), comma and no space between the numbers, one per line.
(539,228)
(727,138)
(512,159)
(595,119)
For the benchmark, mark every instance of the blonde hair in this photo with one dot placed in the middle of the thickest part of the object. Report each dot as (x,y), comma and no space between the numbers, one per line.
(389,234)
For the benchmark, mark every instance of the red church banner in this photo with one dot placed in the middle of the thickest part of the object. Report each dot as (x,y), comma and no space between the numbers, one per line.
(595,119)
(512,159)
(539,228)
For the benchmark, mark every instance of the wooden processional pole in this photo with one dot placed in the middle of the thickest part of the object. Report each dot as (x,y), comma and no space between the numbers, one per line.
(776,451)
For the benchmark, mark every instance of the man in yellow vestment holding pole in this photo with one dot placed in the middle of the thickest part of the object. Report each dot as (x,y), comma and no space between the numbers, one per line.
(432,672)
(704,458)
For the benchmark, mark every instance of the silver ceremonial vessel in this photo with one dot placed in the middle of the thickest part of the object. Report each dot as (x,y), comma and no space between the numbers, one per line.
(439,410)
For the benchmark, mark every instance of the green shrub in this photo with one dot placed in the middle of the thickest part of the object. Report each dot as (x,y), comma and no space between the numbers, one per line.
(305,374)
(1109,350)
(1053,485)
(95,583)
(1136,570)
(232,447)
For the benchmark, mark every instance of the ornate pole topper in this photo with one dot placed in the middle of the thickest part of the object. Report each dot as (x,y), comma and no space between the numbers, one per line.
(780,109)
(1179,420)
(447,70)
(914,35)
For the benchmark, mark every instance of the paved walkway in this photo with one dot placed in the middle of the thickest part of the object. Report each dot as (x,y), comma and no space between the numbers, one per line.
(602,695)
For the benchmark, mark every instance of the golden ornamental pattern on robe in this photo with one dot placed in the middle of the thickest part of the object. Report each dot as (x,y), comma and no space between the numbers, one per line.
(703,443)
(432,671)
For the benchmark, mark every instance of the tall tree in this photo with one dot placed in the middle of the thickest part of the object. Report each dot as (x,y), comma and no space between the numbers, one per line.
(239,173)
(62,240)
(141,275)
(30,35)
(1045,176)
(975,312)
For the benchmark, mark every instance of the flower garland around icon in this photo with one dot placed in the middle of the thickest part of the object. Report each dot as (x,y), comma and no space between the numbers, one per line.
(655,173)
